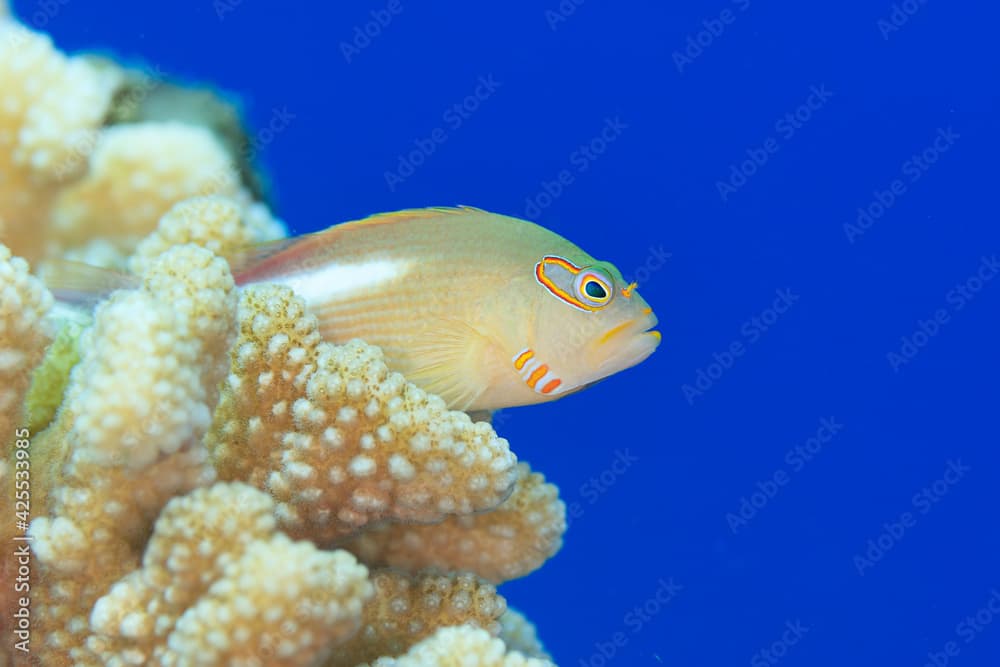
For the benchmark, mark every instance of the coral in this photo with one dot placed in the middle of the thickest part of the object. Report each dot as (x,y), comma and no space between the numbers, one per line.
(519,634)
(50,112)
(339,440)
(211,483)
(73,186)
(24,335)
(216,223)
(128,434)
(48,384)
(408,608)
(219,585)
(137,172)
(509,542)
(461,647)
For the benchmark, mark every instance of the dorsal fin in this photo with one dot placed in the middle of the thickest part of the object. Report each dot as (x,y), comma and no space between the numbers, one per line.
(410,214)
(252,258)
(253,261)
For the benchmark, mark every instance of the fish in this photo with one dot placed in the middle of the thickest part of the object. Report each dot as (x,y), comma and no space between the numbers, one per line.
(484,310)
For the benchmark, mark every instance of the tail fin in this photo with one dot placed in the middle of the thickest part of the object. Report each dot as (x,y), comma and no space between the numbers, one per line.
(81,285)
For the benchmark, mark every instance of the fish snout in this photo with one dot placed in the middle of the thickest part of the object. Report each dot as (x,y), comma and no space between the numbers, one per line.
(628,343)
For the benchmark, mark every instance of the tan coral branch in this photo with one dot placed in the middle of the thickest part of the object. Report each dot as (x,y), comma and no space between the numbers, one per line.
(408,608)
(503,544)
(339,440)
(220,586)
(461,647)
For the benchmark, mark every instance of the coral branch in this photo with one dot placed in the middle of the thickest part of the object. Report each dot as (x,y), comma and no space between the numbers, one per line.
(408,608)
(507,543)
(339,440)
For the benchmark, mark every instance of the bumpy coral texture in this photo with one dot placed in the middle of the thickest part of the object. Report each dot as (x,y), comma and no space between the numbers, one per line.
(140,555)
(24,334)
(408,608)
(507,543)
(339,440)
(137,172)
(50,109)
(71,187)
(461,647)
(128,435)
(218,584)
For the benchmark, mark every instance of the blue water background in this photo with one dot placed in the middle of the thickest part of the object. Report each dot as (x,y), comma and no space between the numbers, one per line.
(876,545)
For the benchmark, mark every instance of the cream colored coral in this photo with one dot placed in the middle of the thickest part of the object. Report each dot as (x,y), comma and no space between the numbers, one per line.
(137,172)
(461,647)
(178,345)
(408,608)
(50,109)
(219,586)
(24,334)
(128,436)
(508,542)
(220,224)
(519,634)
(338,439)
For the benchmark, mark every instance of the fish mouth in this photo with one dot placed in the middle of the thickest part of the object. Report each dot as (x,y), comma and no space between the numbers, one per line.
(632,341)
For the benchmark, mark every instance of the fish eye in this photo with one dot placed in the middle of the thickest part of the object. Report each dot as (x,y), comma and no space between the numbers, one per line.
(594,287)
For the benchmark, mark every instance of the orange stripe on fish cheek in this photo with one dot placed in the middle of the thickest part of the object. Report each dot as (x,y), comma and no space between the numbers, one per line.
(537,375)
(551,386)
(522,359)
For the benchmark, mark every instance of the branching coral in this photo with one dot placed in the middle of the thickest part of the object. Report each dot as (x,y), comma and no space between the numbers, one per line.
(409,608)
(70,186)
(339,440)
(219,583)
(507,543)
(24,334)
(140,556)
(461,647)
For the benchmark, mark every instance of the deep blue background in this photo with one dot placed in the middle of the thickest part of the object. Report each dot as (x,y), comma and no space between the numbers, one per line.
(663,518)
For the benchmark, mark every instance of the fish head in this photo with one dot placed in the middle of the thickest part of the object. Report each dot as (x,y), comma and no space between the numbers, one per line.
(589,323)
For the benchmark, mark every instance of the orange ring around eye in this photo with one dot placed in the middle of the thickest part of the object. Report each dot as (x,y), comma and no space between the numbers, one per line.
(587,277)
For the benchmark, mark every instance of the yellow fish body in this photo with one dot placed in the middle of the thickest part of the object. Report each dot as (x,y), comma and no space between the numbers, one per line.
(484,310)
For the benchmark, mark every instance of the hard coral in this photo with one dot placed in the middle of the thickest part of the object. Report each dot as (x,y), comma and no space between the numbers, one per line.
(509,542)
(336,438)
(139,555)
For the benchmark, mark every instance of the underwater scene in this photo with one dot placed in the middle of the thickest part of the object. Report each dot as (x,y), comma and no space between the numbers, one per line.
(408,334)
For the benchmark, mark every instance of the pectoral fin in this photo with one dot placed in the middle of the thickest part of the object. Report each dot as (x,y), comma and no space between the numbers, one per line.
(451,359)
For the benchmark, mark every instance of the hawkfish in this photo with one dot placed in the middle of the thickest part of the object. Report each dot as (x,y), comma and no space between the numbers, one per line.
(484,310)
